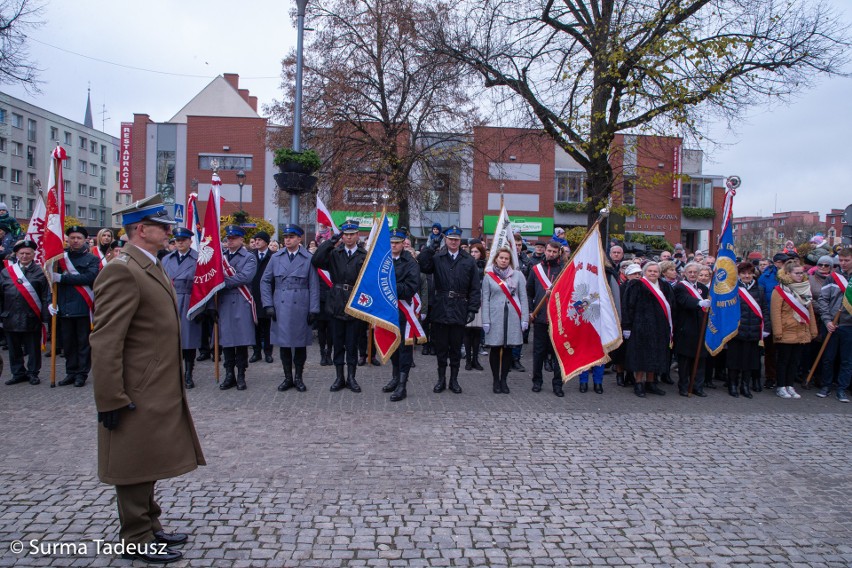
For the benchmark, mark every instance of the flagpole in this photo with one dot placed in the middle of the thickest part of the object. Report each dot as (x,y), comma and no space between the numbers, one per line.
(604,213)
(822,349)
(698,352)
(53,338)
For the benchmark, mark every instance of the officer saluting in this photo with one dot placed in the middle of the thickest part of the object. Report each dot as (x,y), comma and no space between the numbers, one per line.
(407,285)
(457,298)
(343,264)
(289,292)
(180,268)
(146,431)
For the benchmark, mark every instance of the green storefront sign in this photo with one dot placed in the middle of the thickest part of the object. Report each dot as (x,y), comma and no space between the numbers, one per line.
(364,218)
(527,225)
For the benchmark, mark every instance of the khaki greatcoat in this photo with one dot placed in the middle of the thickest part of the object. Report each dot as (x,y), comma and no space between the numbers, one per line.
(136,357)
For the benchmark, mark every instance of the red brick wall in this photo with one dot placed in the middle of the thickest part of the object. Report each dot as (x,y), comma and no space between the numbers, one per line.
(658,211)
(138,151)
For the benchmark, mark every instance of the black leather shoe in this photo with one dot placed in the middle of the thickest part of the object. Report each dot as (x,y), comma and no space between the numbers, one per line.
(285,384)
(269,359)
(80,381)
(34,380)
(23,379)
(559,392)
(362,361)
(619,379)
(441,385)
(171,539)
(69,380)
(468,365)
(682,393)
(548,366)
(255,357)
(168,555)
(598,388)
(584,387)
(455,387)
(229,382)
(536,387)
(376,362)
(476,364)
(654,389)
(700,394)
(639,389)
(516,366)
(204,357)
(391,386)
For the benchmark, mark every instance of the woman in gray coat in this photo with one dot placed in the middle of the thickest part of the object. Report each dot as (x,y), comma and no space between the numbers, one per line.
(505,315)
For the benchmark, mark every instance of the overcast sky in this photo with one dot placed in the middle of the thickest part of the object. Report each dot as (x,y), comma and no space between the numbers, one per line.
(789,157)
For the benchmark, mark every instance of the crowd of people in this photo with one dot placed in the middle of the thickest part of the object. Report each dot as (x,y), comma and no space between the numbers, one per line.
(286,294)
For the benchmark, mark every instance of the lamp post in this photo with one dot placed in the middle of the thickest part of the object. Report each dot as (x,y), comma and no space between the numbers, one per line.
(241,180)
(16,204)
(301,7)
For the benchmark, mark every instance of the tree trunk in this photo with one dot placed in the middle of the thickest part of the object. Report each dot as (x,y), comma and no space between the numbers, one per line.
(598,187)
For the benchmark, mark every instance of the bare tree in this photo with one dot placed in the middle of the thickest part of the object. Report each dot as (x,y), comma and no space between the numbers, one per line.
(16,18)
(585,70)
(374,97)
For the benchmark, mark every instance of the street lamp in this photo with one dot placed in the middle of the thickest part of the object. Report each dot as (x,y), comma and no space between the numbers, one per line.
(16,204)
(241,180)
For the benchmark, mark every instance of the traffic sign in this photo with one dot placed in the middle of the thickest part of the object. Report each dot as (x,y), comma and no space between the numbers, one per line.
(178,212)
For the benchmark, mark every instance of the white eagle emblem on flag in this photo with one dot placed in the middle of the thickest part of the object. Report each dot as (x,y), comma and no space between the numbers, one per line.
(584,306)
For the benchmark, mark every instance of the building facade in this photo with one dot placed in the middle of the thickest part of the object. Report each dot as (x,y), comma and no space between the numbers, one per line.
(28,135)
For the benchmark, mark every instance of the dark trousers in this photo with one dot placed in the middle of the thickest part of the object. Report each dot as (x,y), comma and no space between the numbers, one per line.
(261,336)
(235,356)
(323,328)
(500,360)
(402,358)
(345,334)
(769,359)
(138,512)
(75,345)
(787,362)
(684,372)
(447,339)
(293,355)
(472,341)
(206,331)
(188,355)
(543,348)
(839,346)
(363,336)
(23,343)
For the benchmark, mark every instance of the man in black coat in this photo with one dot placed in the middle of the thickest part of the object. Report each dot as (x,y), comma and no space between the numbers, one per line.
(407,274)
(457,297)
(542,276)
(24,296)
(691,302)
(261,330)
(75,301)
(344,265)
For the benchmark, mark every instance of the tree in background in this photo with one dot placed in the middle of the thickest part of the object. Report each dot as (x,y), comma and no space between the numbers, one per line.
(374,96)
(585,70)
(16,18)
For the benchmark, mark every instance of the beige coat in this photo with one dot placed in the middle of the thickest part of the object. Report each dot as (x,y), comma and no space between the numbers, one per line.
(136,357)
(785,327)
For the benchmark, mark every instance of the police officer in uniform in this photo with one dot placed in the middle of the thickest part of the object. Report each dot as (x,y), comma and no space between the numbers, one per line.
(180,268)
(74,296)
(544,271)
(289,291)
(407,273)
(235,312)
(342,258)
(262,343)
(457,299)
(24,297)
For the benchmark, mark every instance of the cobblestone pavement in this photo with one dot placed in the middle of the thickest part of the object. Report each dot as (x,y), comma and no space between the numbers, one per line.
(477,479)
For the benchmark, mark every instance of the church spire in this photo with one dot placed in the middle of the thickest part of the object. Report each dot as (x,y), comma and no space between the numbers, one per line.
(87,121)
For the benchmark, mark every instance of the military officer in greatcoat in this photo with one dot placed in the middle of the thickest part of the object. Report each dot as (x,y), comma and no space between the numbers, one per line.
(289,291)
(407,274)
(236,311)
(24,297)
(457,299)
(342,258)
(74,278)
(180,268)
(146,431)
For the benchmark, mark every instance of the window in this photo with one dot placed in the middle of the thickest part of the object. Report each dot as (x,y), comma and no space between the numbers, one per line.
(81,212)
(226,162)
(66,163)
(93,191)
(3,144)
(3,119)
(31,186)
(67,210)
(82,165)
(103,154)
(3,176)
(103,218)
(83,143)
(103,175)
(54,134)
(93,169)
(17,121)
(103,196)
(30,206)
(17,149)
(570,186)
(3,197)
(697,193)
(82,189)
(439,196)
(31,130)
(117,195)
(65,186)
(93,146)
(16,176)
(67,138)
(31,156)
(93,214)
(628,194)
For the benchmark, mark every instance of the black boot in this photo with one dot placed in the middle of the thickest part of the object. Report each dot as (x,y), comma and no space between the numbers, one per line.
(362,360)
(255,356)
(454,380)
(504,382)
(188,367)
(241,379)
(297,379)
(557,387)
(400,393)
(598,388)
(230,380)
(516,366)
(755,384)
(391,386)
(619,379)
(584,387)
(495,379)
(629,379)
(744,386)
(639,389)
(441,385)
(654,389)
(468,361)
(325,357)
(733,379)
(476,364)
(350,379)
(287,383)
(339,382)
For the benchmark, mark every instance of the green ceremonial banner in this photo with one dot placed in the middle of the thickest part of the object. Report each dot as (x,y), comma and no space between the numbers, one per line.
(527,225)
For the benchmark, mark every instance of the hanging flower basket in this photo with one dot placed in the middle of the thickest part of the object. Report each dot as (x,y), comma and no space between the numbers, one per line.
(293,182)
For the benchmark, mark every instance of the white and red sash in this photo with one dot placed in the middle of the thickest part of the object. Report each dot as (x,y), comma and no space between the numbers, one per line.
(840,281)
(100,256)
(696,293)
(752,303)
(244,290)
(325,276)
(545,282)
(502,284)
(664,304)
(800,312)
(28,292)
(414,331)
(84,291)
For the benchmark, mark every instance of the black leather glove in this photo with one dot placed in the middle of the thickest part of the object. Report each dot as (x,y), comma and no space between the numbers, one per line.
(110,419)
(334,238)
(312,318)
(270,313)
(212,314)
(470,316)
